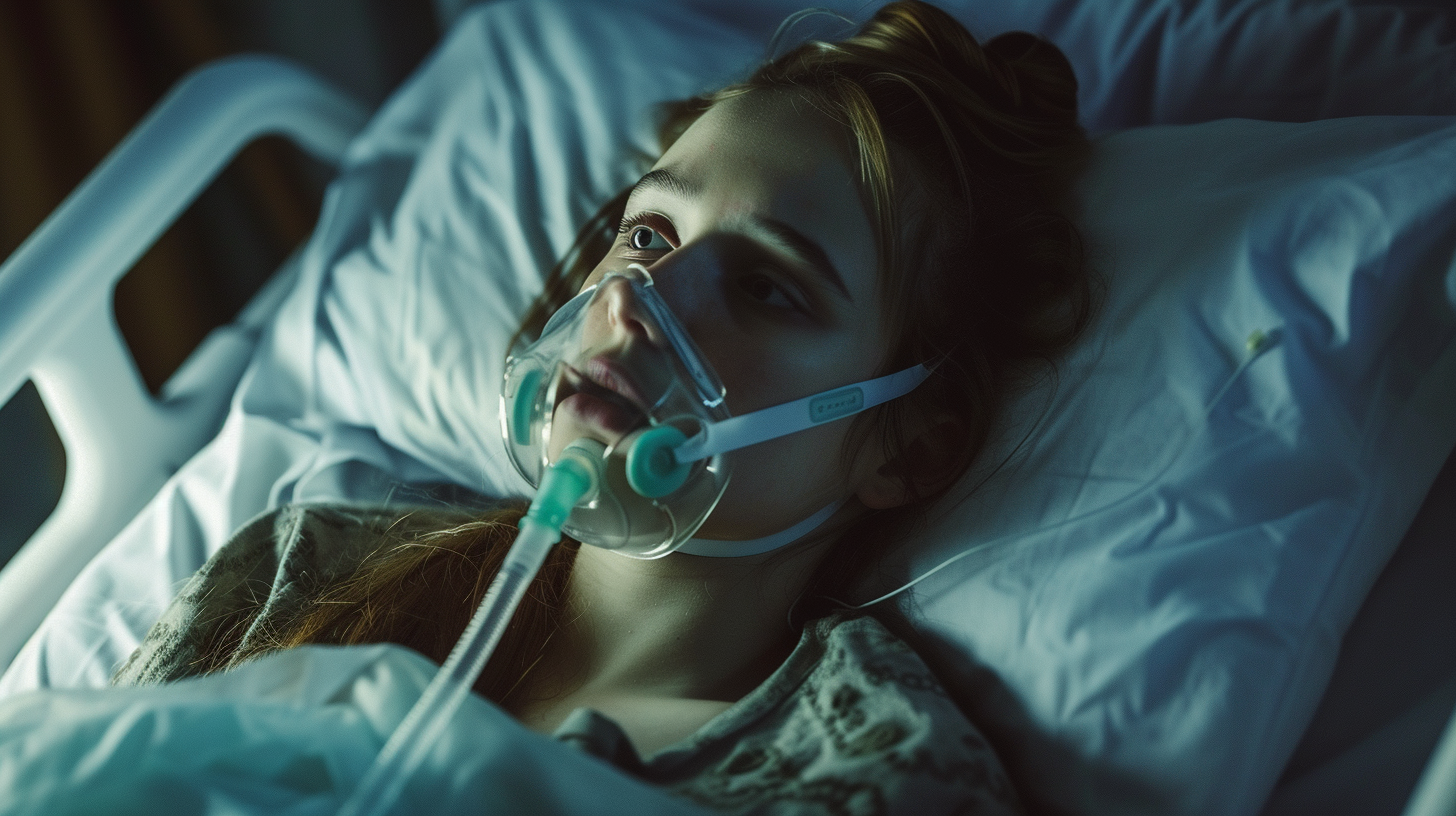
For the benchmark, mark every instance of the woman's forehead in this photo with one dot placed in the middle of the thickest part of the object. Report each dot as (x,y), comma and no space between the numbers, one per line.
(771,157)
(769,136)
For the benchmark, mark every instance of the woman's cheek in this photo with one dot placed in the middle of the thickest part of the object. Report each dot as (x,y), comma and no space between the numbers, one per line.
(760,376)
(779,483)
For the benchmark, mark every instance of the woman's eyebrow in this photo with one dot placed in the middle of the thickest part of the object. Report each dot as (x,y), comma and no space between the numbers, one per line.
(667,181)
(808,250)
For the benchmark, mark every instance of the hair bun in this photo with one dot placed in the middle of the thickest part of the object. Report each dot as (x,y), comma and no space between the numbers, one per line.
(1036,75)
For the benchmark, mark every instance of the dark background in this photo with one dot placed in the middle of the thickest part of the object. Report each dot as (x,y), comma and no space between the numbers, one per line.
(76,75)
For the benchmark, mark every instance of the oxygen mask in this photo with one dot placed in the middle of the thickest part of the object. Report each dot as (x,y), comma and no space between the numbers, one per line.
(615,371)
(637,385)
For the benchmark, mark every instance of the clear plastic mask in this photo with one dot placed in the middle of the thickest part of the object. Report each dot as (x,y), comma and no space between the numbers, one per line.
(639,386)
(585,377)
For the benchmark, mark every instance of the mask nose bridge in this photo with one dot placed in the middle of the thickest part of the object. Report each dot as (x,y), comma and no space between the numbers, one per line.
(680,283)
(626,311)
(669,332)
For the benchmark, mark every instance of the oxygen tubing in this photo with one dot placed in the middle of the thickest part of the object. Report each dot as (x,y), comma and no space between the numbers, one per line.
(574,476)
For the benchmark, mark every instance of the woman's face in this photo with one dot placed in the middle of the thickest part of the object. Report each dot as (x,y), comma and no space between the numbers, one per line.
(754,232)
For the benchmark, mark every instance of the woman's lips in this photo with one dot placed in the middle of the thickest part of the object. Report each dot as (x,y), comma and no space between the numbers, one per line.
(592,410)
(604,397)
(607,373)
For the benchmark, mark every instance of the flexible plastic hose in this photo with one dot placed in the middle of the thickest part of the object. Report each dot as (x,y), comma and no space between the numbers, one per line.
(574,475)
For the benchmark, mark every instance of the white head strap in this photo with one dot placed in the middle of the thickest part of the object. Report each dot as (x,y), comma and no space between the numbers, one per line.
(713,548)
(781,420)
(800,415)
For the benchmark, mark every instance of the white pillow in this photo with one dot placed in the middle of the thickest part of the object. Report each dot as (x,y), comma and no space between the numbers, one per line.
(1144,62)
(1147,62)
(1162,625)
(492,157)
(1159,582)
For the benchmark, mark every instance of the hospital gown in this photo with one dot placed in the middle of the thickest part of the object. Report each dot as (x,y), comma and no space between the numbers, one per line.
(852,723)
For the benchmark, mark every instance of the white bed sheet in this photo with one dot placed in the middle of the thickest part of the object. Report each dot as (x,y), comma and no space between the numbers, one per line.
(291,436)
(290,734)
(1394,686)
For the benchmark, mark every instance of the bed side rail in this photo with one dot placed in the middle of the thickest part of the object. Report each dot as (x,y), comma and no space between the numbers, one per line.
(58,329)
(1435,791)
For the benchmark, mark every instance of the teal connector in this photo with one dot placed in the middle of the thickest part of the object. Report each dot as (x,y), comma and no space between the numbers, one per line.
(652,468)
(575,475)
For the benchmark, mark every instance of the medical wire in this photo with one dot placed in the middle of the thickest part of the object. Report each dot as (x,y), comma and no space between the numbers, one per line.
(1257,343)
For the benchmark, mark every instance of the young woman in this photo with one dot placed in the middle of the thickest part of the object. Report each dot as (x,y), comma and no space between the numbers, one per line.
(851,210)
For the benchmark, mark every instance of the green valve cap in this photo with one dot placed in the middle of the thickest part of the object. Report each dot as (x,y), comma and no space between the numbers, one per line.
(652,470)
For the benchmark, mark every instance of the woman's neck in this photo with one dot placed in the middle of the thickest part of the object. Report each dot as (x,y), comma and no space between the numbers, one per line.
(684,627)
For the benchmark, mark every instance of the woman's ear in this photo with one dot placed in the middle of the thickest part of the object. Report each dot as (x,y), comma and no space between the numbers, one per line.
(927,462)
(883,491)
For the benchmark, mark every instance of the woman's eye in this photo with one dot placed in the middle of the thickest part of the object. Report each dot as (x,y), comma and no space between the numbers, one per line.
(647,239)
(763,289)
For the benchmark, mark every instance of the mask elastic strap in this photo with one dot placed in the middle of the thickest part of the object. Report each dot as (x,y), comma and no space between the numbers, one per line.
(791,417)
(781,420)
(736,549)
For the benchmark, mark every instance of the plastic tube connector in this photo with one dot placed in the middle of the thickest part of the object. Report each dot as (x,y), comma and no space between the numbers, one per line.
(576,476)
(653,469)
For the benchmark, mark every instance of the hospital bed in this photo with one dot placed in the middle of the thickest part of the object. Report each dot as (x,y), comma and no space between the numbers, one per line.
(1149,594)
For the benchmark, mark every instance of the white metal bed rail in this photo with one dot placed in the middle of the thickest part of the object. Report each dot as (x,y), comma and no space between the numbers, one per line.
(57,326)
(1435,791)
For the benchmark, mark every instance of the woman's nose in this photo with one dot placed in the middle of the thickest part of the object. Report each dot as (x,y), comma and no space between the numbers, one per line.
(625,311)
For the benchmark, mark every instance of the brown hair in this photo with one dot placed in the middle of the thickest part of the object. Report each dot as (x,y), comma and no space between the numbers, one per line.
(982,257)
(419,589)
